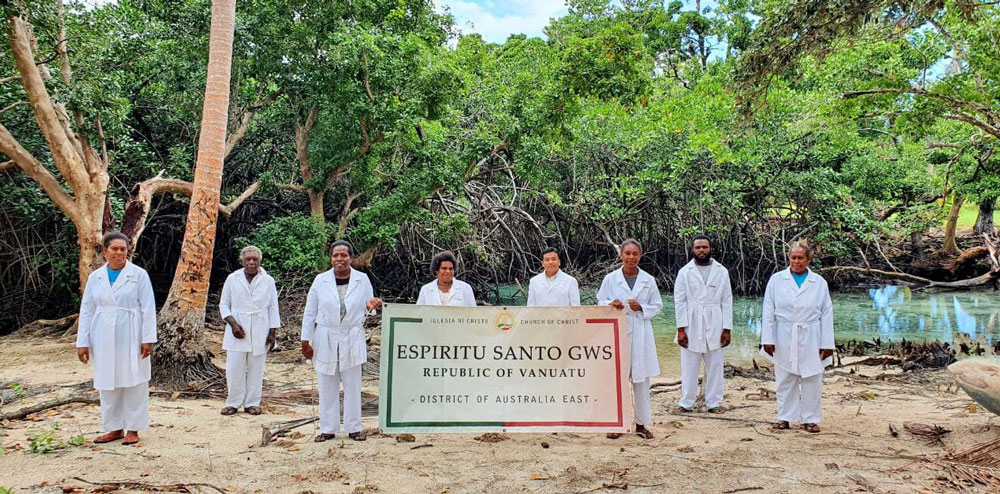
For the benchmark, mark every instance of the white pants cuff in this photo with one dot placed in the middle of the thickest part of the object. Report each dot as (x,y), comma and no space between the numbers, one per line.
(640,401)
(329,400)
(691,368)
(125,408)
(799,397)
(244,378)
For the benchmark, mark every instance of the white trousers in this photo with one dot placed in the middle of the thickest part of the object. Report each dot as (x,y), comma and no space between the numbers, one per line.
(799,394)
(640,401)
(244,378)
(329,400)
(126,408)
(691,367)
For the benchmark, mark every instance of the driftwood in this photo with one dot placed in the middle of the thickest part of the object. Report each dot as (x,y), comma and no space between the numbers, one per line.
(269,432)
(45,405)
(142,486)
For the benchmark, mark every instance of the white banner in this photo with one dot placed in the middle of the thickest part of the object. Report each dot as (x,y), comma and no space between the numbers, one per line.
(504,369)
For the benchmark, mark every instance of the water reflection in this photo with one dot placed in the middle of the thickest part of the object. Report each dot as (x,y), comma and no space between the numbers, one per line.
(890,312)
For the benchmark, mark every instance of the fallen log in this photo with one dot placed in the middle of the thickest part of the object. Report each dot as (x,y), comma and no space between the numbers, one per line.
(45,405)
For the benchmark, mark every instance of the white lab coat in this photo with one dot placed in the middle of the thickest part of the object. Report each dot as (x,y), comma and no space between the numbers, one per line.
(462,295)
(798,322)
(254,305)
(563,291)
(638,324)
(705,309)
(114,321)
(337,345)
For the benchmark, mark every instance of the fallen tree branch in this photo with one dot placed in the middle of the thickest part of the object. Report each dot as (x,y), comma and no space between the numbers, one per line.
(877,272)
(142,486)
(269,432)
(45,405)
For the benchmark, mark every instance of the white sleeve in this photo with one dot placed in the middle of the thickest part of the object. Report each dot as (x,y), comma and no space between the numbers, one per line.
(605,295)
(826,322)
(727,303)
(225,300)
(86,318)
(148,304)
(471,302)
(273,314)
(574,293)
(422,298)
(653,303)
(532,299)
(767,319)
(680,300)
(309,315)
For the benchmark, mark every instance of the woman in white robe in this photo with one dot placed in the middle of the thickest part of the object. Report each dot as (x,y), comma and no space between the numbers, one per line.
(333,337)
(117,330)
(797,336)
(249,305)
(553,287)
(633,290)
(445,289)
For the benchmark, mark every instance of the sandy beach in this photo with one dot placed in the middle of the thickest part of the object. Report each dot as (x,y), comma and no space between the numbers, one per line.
(192,448)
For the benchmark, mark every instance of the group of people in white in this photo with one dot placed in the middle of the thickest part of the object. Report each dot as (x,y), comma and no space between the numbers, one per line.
(117,331)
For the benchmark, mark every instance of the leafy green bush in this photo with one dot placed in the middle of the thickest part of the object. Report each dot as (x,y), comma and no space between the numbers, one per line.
(294,247)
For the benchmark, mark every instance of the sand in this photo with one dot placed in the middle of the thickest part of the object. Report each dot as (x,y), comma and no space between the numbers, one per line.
(191,443)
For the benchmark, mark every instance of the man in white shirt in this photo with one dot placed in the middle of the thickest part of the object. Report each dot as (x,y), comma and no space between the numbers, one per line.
(249,305)
(553,287)
(703,305)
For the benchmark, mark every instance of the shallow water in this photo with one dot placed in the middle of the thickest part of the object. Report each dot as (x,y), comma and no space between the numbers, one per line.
(890,313)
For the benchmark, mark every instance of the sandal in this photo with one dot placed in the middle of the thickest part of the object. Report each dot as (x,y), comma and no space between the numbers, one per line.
(716,410)
(131,438)
(680,409)
(111,436)
(357,436)
(229,411)
(614,435)
(780,425)
(643,432)
(323,437)
(811,428)
(252,410)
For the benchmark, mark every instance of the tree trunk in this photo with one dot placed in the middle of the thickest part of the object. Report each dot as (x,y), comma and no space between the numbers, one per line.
(984,221)
(181,354)
(950,247)
(302,129)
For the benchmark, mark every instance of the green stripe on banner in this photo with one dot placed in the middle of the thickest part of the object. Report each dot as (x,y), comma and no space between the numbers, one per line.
(392,334)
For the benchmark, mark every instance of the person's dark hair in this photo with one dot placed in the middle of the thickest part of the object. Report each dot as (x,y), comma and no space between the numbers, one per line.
(701,237)
(631,241)
(106,241)
(344,243)
(550,250)
(445,256)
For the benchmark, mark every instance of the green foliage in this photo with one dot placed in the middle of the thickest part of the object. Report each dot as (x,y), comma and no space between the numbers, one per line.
(294,247)
(44,442)
(6,490)
(19,390)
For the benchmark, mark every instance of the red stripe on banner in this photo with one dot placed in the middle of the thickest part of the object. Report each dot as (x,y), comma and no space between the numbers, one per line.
(567,424)
(618,365)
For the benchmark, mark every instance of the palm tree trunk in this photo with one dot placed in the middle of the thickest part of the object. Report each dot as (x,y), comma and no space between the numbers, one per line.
(181,355)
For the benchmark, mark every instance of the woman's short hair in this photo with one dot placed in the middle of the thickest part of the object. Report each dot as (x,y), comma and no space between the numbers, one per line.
(445,256)
(801,244)
(111,237)
(250,249)
(343,243)
(631,241)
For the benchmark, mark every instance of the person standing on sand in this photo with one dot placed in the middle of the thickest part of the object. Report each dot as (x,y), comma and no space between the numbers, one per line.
(445,289)
(797,336)
(553,287)
(634,291)
(703,305)
(117,330)
(249,305)
(333,336)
